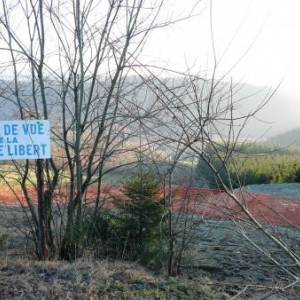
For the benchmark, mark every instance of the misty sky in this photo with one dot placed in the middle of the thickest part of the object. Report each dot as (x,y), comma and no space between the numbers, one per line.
(264,34)
(256,41)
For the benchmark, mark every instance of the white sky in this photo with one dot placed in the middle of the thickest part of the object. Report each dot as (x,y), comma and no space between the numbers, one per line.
(256,41)
(272,27)
(264,33)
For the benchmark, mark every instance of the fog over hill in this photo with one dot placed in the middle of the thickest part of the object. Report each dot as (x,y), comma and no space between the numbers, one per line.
(290,137)
(281,114)
(278,115)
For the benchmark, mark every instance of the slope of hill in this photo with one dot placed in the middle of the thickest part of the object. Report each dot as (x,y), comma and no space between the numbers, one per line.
(291,137)
(268,121)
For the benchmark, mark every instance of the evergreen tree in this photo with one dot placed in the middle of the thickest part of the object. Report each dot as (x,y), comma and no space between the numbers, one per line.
(141,217)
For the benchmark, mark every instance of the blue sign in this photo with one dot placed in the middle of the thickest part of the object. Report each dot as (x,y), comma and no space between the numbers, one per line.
(24,139)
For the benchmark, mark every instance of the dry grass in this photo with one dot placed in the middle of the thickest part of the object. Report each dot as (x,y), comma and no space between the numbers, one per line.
(92,279)
(22,277)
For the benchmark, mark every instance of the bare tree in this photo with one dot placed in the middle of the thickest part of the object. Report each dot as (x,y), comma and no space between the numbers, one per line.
(203,116)
(70,63)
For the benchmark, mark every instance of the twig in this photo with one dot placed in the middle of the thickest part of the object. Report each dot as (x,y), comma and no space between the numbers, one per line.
(239,293)
(279,290)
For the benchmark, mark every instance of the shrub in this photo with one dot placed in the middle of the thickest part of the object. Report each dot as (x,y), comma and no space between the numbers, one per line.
(135,229)
(141,217)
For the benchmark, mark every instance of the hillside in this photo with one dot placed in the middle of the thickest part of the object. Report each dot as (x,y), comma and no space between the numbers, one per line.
(290,137)
(269,120)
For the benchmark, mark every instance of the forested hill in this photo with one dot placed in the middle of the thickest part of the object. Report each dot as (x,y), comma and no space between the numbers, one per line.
(257,163)
(291,137)
(247,98)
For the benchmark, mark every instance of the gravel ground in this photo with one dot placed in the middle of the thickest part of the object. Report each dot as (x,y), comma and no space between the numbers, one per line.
(224,255)
(291,190)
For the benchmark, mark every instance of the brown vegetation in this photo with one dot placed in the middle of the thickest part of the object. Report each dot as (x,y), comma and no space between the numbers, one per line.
(209,203)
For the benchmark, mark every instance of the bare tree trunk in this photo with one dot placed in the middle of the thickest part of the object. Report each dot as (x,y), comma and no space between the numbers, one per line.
(41,212)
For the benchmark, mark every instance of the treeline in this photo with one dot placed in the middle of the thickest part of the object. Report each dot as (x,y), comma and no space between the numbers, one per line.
(258,163)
